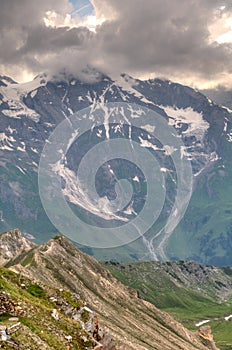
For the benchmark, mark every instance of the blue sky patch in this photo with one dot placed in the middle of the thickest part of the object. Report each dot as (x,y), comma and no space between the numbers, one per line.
(82,7)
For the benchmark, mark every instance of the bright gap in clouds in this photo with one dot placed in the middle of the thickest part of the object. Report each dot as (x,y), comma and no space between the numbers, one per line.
(84,10)
(127,34)
(227,36)
(221,28)
(82,14)
(82,7)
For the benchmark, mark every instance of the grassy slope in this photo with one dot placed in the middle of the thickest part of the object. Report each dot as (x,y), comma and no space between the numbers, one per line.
(38,327)
(204,234)
(132,322)
(186,305)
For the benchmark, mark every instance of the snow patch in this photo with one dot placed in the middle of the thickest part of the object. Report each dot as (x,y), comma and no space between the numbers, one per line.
(229,137)
(75,193)
(169,150)
(164,170)
(13,95)
(70,110)
(21,149)
(201,323)
(197,126)
(228,109)
(33,93)
(136,179)
(149,128)
(10,130)
(20,169)
(228,317)
(129,211)
(128,84)
(6,142)
(147,144)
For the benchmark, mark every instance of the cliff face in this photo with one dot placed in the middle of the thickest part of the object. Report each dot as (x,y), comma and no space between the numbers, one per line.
(12,243)
(132,322)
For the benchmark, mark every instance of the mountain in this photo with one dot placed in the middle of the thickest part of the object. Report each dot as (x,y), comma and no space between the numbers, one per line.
(12,243)
(194,294)
(30,112)
(57,276)
(213,282)
(221,96)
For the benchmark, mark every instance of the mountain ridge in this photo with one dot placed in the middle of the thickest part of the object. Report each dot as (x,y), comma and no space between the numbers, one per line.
(133,322)
(30,112)
(194,294)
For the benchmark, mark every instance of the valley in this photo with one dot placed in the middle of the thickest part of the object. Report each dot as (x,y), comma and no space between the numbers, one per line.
(194,294)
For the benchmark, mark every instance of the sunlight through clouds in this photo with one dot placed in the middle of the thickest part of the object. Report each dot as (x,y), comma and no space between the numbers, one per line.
(152,38)
(82,15)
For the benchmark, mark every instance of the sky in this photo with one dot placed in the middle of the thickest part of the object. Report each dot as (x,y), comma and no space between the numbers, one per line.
(186,41)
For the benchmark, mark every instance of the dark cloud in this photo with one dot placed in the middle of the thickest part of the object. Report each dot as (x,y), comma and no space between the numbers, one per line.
(27,43)
(26,13)
(167,38)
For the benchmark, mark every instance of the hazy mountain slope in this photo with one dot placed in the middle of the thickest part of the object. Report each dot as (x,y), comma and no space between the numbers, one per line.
(212,282)
(220,95)
(191,292)
(134,323)
(30,112)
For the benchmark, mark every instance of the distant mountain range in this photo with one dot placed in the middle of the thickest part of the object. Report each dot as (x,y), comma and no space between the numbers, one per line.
(194,294)
(221,96)
(30,112)
(54,296)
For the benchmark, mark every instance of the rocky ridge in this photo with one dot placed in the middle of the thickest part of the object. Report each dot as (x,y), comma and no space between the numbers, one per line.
(12,243)
(211,281)
(132,322)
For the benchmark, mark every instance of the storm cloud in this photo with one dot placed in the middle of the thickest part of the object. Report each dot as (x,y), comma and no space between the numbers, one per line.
(166,38)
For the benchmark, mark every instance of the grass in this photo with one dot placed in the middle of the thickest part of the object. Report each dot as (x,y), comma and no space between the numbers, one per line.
(85,316)
(36,290)
(204,234)
(186,305)
(37,307)
(75,303)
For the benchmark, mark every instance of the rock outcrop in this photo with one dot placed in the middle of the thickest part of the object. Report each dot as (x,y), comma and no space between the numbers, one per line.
(12,244)
(206,336)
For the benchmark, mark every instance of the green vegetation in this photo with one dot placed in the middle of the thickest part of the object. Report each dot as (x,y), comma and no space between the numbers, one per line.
(206,228)
(38,326)
(36,290)
(74,302)
(85,316)
(165,290)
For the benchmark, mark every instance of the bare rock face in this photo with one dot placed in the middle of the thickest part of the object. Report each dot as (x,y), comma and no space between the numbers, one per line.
(12,244)
(206,337)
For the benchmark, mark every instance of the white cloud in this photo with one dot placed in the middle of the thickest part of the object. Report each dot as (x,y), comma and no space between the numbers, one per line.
(221,27)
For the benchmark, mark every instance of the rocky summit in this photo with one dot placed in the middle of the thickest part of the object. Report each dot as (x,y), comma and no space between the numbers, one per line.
(53,296)
(12,243)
